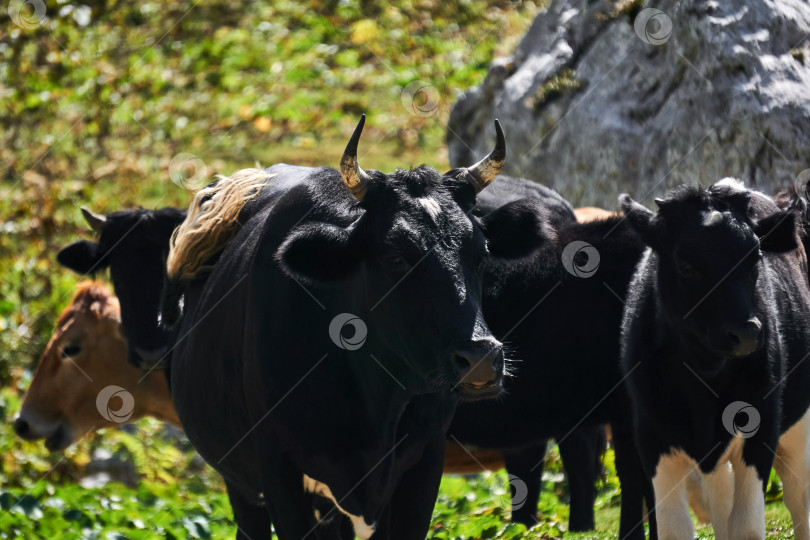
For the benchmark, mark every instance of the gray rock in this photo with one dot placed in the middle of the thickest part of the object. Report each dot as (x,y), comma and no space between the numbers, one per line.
(594,105)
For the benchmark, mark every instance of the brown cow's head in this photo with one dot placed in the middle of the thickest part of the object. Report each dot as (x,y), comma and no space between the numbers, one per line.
(83,381)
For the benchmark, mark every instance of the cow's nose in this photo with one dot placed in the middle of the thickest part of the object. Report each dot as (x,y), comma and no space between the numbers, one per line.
(154,358)
(21,427)
(479,366)
(745,338)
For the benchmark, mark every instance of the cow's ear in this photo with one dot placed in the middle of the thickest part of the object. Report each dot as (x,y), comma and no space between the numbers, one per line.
(641,219)
(81,257)
(777,232)
(516,229)
(318,252)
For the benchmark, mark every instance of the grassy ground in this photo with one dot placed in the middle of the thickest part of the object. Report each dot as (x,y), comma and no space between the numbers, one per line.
(125,103)
(468,508)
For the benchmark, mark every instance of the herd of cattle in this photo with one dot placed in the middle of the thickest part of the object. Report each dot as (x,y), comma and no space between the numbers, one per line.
(480,320)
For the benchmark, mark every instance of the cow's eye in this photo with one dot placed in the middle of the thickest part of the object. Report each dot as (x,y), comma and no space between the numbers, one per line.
(396,261)
(688,271)
(70,351)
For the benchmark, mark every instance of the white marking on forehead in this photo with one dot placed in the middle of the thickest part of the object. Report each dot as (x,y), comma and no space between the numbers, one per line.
(431,206)
(733,184)
(361,528)
(711,218)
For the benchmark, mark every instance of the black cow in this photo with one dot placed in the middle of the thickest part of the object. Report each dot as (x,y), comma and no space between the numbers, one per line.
(557,211)
(283,407)
(133,244)
(562,328)
(580,449)
(714,342)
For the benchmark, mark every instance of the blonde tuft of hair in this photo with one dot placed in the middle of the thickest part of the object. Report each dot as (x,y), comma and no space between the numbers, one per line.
(212,222)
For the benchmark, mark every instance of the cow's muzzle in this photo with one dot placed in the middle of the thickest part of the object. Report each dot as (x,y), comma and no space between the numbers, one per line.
(480,369)
(745,338)
(57,435)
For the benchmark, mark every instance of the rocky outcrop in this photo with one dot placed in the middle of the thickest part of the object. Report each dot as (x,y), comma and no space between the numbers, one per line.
(604,97)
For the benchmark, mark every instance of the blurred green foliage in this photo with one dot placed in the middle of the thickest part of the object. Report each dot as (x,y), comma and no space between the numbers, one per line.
(96,101)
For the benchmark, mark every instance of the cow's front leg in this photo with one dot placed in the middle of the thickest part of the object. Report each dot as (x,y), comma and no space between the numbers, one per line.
(580,456)
(631,475)
(792,463)
(672,502)
(519,465)
(718,488)
(252,519)
(408,515)
(286,500)
(747,519)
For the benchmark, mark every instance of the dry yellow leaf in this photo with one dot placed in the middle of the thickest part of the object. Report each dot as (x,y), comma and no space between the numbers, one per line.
(364,31)
(263,124)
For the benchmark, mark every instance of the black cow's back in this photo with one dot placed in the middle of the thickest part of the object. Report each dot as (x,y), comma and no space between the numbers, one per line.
(506,189)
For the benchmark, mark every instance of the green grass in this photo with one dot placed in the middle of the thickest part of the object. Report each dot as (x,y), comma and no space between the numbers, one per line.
(94,113)
(467,508)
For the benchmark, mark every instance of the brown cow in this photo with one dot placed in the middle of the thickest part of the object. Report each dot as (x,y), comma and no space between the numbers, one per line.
(83,381)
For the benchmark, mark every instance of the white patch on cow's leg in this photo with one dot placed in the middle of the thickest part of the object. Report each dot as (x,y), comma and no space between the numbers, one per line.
(792,463)
(747,519)
(361,528)
(718,487)
(671,502)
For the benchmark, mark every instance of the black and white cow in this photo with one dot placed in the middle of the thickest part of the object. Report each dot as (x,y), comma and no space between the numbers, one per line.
(715,342)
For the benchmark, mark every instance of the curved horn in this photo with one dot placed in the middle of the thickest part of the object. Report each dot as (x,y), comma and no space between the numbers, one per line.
(353,176)
(485,171)
(96,221)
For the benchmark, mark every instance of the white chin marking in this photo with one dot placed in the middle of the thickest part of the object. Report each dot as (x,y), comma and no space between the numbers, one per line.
(361,528)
